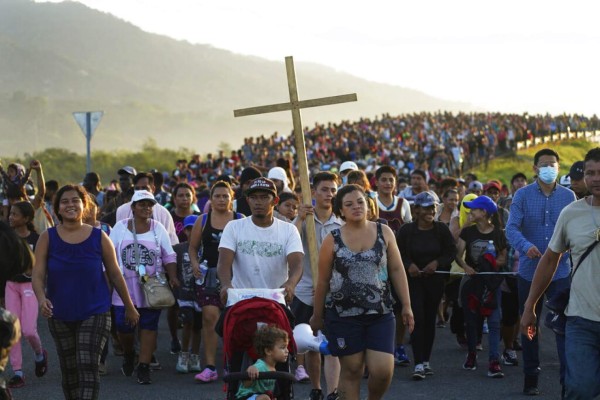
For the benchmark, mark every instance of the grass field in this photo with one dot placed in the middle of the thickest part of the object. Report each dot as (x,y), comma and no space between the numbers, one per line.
(505,167)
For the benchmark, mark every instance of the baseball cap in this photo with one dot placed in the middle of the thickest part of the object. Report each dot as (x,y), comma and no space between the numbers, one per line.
(475,185)
(261,184)
(127,170)
(576,171)
(565,181)
(140,195)
(277,173)
(348,165)
(426,199)
(482,203)
(189,221)
(492,184)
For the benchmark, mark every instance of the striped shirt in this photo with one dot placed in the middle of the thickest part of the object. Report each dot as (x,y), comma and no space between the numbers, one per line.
(532,219)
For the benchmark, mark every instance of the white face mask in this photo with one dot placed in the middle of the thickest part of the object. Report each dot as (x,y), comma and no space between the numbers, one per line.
(548,174)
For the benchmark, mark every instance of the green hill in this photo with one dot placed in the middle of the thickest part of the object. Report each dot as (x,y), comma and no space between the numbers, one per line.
(505,167)
(56,58)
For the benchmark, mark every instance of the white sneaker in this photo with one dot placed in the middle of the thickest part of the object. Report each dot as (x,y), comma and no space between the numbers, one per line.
(419,373)
(183,363)
(194,364)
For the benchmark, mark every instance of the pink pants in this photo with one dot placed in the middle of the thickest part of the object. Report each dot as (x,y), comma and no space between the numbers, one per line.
(20,300)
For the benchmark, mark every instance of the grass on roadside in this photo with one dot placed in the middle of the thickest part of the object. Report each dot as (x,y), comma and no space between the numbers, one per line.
(505,167)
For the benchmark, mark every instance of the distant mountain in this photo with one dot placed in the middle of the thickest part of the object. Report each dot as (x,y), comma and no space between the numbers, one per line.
(56,58)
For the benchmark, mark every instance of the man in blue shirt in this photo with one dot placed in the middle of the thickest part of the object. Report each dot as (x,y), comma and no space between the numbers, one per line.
(533,215)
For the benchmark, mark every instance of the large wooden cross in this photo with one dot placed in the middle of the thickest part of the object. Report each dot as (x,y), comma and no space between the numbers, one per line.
(295,105)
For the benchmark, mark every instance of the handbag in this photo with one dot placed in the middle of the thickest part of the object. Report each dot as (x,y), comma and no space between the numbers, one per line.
(556,318)
(156,289)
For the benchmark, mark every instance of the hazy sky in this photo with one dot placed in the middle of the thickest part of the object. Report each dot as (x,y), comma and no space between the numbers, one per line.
(524,55)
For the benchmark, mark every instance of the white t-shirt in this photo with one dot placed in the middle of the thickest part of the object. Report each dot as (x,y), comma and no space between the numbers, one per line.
(576,230)
(260,259)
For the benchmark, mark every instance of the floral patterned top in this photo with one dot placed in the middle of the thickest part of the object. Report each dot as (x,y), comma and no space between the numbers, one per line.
(359,282)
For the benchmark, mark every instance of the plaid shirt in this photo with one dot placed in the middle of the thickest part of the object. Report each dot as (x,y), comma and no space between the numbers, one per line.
(533,216)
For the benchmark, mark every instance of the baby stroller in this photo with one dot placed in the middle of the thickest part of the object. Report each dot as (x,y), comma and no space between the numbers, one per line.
(239,325)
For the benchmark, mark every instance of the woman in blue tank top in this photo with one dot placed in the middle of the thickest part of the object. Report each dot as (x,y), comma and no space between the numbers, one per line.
(357,265)
(71,287)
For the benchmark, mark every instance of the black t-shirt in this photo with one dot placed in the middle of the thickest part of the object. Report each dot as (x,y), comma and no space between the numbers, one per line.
(476,242)
(423,246)
(32,240)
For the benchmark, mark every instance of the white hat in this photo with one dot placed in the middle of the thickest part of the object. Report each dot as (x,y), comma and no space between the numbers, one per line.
(140,195)
(348,165)
(277,173)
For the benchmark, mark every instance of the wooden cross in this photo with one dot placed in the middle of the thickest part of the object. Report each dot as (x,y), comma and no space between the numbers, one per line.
(294,105)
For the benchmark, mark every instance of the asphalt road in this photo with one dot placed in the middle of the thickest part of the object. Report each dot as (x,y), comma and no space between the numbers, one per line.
(449,382)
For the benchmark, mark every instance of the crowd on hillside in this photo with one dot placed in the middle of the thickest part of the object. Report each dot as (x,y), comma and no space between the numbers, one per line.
(409,173)
(443,143)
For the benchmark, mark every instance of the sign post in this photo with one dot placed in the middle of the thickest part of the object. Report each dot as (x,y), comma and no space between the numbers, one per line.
(88,122)
(294,106)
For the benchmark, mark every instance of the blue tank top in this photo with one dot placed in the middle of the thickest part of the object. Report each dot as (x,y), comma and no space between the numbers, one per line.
(359,282)
(76,285)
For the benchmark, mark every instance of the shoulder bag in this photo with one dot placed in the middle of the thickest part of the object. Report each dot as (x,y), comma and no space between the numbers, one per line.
(156,288)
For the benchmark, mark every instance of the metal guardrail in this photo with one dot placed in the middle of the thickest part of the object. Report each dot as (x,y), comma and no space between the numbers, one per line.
(590,135)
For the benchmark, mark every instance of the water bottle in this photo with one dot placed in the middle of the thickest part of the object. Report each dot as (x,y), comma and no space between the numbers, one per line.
(490,248)
(203,269)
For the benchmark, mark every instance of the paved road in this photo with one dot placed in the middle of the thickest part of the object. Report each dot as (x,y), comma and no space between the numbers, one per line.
(449,382)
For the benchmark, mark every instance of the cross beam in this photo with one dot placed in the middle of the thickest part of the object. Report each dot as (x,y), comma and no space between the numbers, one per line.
(294,106)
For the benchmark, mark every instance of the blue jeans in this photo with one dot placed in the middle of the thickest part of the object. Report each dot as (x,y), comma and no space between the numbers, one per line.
(582,346)
(473,321)
(531,350)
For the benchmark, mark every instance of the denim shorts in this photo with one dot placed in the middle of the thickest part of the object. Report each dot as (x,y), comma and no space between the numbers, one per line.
(148,319)
(351,335)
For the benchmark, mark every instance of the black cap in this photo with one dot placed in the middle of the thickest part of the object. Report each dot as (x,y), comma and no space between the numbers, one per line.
(576,171)
(262,185)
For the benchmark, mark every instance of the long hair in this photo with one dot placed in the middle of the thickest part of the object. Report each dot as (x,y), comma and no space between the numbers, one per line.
(26,209)
(16,254)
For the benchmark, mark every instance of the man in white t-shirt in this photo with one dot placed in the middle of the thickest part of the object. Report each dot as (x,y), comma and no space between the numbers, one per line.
(577,228)
(260,251)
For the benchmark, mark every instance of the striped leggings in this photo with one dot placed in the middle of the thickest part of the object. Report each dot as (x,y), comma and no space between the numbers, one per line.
(79,346)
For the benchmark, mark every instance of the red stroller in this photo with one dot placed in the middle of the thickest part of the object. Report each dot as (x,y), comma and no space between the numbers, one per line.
(239,324)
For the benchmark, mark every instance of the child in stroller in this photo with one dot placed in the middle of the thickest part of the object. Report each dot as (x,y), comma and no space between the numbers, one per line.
(271,344)
(240,323)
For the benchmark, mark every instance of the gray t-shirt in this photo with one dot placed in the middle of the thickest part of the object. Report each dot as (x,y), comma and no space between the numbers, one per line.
(576,230)
(304,290)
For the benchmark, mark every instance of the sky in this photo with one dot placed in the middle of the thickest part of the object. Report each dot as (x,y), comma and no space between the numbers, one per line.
(509,56)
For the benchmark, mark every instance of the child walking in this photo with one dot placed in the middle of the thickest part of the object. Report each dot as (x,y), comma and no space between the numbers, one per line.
(271,345)
(190,312)
(21,301)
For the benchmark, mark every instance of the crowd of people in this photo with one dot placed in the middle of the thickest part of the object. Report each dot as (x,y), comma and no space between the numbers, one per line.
(407,243)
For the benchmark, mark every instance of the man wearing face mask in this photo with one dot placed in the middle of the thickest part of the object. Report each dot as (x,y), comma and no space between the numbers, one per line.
(533,214)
